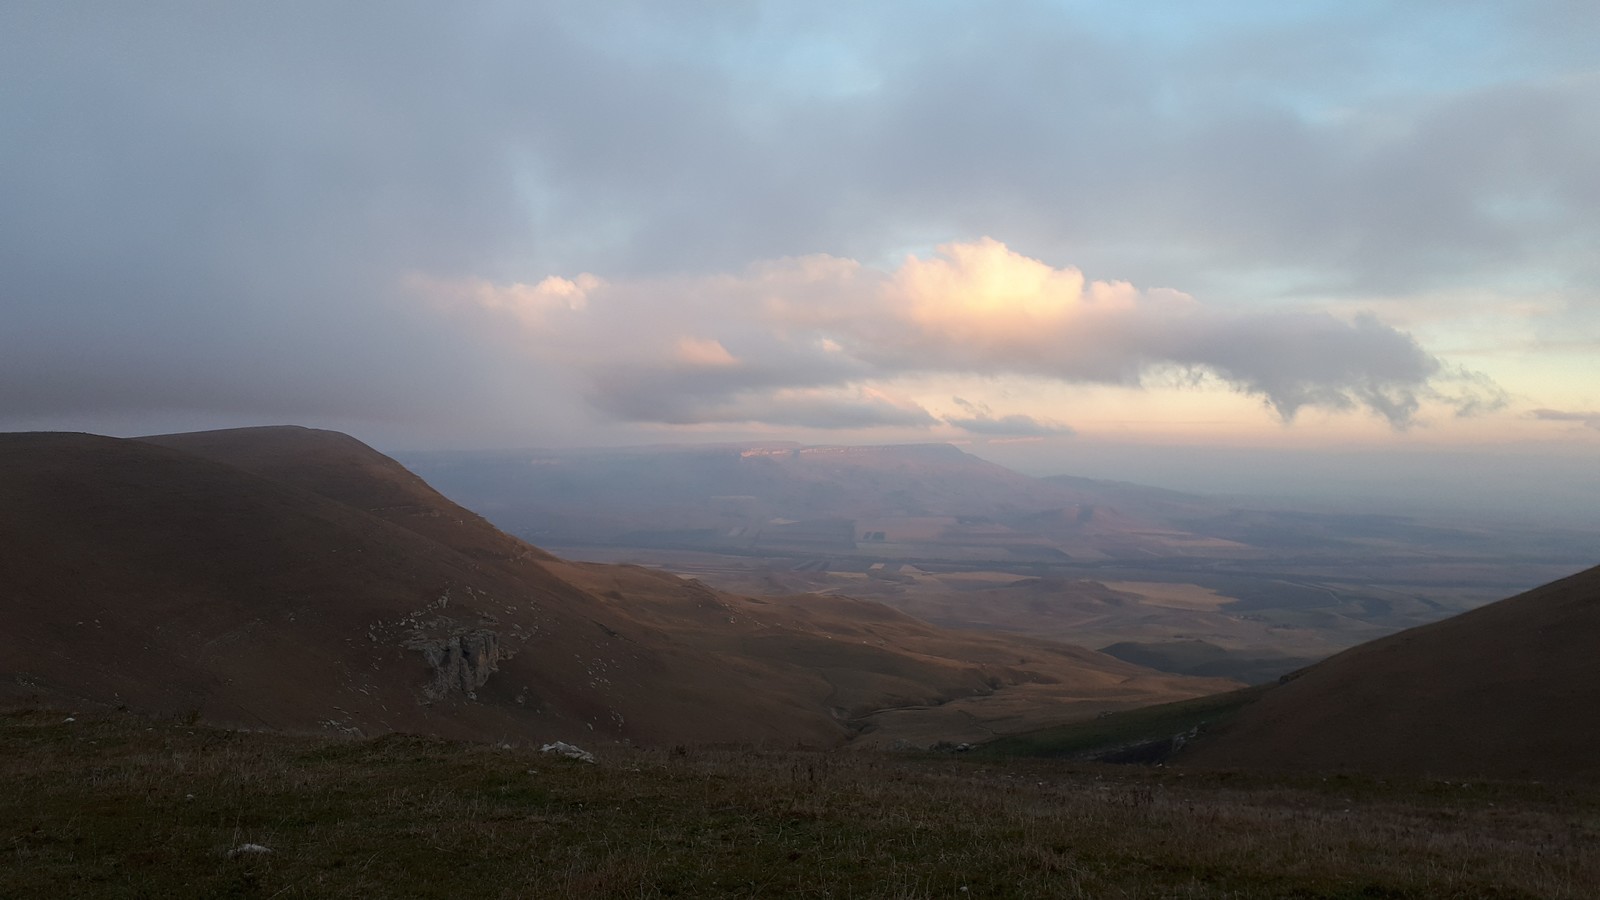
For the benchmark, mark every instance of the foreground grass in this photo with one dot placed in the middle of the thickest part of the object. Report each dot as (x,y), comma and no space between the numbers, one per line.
(120,807)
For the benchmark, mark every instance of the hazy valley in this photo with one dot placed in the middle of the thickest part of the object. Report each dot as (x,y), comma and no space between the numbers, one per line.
(1171,580)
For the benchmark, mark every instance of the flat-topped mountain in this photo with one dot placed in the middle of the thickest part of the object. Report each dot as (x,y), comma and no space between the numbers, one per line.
(298,579)
(1507,690)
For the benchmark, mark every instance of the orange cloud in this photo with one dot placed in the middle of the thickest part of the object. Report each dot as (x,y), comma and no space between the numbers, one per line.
(971,309)
(986,289)
(704,353)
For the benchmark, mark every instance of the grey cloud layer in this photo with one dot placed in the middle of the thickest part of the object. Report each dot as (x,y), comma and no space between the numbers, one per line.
(1588,419)
(209,207)
(978,418)
(776,343)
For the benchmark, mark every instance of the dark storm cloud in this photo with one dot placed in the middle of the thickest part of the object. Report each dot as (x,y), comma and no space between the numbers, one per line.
(214,207)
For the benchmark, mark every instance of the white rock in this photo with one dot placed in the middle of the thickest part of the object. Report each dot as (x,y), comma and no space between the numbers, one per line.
(248,850)
(568,750)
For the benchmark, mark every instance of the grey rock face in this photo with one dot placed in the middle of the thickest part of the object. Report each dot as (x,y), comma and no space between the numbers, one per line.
(461,662)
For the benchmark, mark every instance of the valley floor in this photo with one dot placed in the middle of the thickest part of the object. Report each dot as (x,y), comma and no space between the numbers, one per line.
(116,806)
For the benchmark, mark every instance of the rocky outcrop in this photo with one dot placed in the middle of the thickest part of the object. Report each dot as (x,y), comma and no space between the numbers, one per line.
(570,751)
(461,662)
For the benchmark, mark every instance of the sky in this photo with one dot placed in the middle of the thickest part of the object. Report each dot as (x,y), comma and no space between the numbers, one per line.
(1206,245)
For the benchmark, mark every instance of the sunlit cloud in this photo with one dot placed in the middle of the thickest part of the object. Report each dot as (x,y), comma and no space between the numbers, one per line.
(770,343)
(704,352)
(533,304)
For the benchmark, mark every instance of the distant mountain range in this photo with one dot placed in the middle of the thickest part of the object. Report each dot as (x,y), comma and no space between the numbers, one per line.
(930,501)
(962,542)
(921,502)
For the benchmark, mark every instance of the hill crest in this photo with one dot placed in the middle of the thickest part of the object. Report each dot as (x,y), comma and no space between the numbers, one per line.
(290,578)
(1505,690)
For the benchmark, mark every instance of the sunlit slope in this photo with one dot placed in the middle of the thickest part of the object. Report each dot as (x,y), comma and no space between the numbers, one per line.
(291,578)
(898,680)
(1507,690)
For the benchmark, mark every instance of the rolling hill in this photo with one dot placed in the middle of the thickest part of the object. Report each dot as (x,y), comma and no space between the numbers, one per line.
(287,578)
(1507,690)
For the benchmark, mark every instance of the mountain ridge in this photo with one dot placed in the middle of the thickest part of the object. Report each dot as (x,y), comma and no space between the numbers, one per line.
(290,578)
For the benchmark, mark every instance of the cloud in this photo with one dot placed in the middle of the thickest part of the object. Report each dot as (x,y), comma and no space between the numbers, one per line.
(1587,419)
(1013,425)
(979,419)
(841,408)
(705,353)
(976,309)
(533,304)
(208,207)
(1470,393)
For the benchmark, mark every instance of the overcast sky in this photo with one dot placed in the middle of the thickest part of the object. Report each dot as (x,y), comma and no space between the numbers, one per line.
(1043,230)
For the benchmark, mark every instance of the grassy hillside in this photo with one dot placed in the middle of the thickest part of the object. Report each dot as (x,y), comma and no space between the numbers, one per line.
(1508,690)
(291,578)
(1505,691)
(116,806)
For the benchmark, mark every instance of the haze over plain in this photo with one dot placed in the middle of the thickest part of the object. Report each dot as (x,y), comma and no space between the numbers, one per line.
(1222,247)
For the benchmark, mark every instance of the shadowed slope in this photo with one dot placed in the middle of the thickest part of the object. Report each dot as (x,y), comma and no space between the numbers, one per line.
(139,574)
(292,578)
(1507,690)
(339,467)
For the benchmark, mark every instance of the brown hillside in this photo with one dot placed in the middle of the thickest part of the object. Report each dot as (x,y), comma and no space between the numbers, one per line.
(1508,690)
(291,578)
(341,468)
(893,677)
(139,574)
